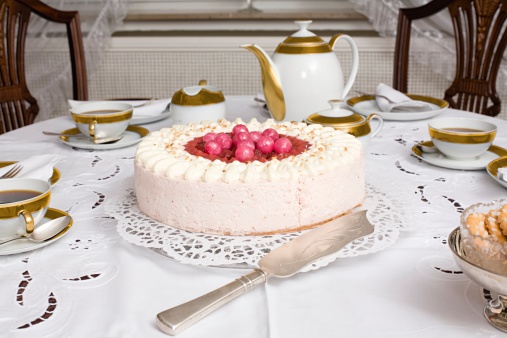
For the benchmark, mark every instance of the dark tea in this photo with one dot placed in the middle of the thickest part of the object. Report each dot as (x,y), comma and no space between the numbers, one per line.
(463,130)
(10,196)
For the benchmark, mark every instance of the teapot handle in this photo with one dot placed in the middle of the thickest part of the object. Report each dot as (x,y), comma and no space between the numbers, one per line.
(355,60)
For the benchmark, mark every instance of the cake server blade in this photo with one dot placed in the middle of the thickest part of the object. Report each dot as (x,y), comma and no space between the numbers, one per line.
(283,261)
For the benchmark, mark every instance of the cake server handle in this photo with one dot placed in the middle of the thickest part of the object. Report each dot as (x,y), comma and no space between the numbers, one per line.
(179,318)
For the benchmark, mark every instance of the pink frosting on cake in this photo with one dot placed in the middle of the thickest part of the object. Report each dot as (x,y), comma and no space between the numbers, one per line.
(195,194)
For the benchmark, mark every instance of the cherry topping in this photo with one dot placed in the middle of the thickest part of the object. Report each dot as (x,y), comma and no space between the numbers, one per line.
(271,133)
(283,145)
(239,128)
(241,136)
(244,153)
(213,148)
(255,135)
(224,140)
(209,137)
(247,143)
(265,144)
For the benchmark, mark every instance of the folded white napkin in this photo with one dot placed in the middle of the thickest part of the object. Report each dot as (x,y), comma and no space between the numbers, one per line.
(150,109)
(390,100)
(502,174)
(40,166)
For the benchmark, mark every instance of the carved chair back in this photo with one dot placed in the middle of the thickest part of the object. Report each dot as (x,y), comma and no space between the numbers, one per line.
(480,38)
(18,107)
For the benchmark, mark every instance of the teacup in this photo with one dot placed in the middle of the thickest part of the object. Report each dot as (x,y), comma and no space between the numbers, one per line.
(23,203)
(461,138)
(197,103)
(100,120)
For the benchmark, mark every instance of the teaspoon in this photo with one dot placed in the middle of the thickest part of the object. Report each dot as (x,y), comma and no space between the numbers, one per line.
(44,232)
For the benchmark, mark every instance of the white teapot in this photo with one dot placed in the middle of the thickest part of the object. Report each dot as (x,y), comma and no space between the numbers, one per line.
(197,103)
(303,74)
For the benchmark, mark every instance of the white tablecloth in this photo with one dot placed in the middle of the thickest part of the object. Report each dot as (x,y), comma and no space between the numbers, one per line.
(92,283)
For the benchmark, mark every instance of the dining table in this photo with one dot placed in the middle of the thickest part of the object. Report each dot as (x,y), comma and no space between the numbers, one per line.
(111,273)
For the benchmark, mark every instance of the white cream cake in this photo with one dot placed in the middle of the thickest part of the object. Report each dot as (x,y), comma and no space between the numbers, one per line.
(185,189)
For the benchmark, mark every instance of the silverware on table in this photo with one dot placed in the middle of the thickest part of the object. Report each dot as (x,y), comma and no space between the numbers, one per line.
(12,172)
(284,261)
(44,232)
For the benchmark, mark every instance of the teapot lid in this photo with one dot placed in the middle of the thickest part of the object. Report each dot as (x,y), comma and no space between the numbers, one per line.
(336,116)
(303,42)
(198,95)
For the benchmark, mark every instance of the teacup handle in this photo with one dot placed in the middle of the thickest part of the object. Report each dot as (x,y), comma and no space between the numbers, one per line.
(380,124)
(355,61)
(91,129)
(30,223)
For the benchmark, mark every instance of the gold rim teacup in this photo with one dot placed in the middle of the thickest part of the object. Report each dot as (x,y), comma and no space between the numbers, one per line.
(100,120)
(20,217)
(461,138)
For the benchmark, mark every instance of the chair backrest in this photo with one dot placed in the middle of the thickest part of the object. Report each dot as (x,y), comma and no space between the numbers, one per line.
(481,37)
(18,107)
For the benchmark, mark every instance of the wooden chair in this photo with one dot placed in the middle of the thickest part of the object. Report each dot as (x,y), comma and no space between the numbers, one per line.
(18,107)
(480,35)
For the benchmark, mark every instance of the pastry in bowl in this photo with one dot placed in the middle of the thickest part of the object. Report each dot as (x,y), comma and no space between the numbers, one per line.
(484,235)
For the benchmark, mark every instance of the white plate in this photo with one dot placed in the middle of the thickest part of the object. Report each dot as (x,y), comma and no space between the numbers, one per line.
(493,167)
(24,245)
(132,135)
(366,105)
(438,159)
(143,119)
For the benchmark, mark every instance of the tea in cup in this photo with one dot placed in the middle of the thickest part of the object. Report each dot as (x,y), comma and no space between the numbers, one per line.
(462,138)
(23,203)
(101,120)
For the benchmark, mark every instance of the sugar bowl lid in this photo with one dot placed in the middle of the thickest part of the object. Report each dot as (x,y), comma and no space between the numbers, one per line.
(199,95)
(340,118)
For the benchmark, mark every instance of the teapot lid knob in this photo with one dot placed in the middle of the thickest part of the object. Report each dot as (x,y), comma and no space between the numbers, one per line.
(303,28)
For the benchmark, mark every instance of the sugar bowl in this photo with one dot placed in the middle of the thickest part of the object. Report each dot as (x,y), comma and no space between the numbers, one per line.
(197,103)
(348,121)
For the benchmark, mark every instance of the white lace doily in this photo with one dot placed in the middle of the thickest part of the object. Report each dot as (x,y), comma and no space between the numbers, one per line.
(241,251)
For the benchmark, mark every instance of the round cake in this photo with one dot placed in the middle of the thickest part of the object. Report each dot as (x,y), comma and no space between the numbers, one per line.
(314,174)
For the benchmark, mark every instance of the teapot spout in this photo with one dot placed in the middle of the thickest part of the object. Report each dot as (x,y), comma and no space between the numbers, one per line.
(271,84)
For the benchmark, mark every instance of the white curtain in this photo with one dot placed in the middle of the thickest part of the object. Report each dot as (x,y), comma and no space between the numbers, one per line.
(47,62)
(434,45)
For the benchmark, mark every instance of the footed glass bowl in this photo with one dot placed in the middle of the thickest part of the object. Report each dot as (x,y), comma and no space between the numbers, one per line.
(496,310)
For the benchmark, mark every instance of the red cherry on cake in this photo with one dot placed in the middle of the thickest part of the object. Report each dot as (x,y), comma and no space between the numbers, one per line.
(246,143)
(239,128)
(265,144)
(283,145)
(255,135)
(224,140)
(271,133)
(241,136)
(209,137)
(244,153)
(213,148)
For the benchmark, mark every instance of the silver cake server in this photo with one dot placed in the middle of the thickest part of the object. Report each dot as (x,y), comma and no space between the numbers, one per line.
(284,261)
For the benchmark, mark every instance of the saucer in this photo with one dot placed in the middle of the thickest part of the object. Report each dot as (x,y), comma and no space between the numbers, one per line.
(366,105)
(24,245)
(439,160)
(132,135)
(144,119)
(493,167)
(54,178)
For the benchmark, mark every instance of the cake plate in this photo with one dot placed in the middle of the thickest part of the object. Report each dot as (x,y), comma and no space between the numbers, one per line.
(496,310)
